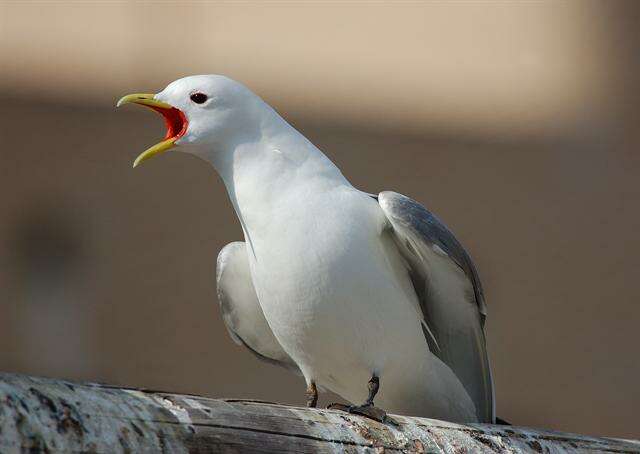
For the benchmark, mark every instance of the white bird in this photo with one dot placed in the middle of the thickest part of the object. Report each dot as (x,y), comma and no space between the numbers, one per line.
(369,296)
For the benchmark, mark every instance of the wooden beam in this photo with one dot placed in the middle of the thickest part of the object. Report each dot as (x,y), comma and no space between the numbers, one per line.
(46,415)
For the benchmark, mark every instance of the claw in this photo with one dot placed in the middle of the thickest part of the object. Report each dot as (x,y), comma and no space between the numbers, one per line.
(337,406)
(367,410)
(370,411)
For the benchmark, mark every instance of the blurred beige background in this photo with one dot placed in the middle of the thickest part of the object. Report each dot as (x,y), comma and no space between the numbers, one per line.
(516,122)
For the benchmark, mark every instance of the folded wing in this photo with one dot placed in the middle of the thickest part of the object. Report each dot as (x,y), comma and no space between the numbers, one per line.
(449,292)
(241,311)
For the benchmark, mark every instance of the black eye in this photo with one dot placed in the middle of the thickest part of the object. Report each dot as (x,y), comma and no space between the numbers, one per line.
(198,98)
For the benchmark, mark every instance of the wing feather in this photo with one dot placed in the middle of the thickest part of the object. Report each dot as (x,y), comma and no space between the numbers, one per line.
(240,308)
(449,292)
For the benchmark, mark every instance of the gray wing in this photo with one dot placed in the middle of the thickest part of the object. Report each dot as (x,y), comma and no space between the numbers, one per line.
(241,311)
(449,292)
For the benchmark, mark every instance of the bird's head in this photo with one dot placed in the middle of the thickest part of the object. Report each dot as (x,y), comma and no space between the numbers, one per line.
(201,113)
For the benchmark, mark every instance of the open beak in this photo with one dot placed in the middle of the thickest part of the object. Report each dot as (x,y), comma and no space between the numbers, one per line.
(174,119)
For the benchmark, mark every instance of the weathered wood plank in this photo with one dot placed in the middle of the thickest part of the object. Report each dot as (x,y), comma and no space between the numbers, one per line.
(45,415)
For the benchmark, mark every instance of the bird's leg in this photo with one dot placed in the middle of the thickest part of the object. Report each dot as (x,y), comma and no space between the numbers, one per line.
(368,408)
(312,395)
(374,386)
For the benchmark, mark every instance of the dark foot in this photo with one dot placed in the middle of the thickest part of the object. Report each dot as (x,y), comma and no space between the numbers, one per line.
(368,411)
(337,406)
(312,395)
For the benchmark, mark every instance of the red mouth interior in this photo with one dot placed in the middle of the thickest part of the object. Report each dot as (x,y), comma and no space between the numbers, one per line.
(175,120)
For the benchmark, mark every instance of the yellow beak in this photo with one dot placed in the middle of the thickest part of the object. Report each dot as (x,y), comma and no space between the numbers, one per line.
(175,121)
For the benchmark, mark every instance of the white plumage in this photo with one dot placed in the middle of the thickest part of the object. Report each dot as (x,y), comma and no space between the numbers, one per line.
(330,280)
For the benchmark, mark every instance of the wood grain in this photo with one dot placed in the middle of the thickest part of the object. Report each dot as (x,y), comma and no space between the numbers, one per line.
(47,415)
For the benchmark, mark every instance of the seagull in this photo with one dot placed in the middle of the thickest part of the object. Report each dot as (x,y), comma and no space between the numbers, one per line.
(369,296)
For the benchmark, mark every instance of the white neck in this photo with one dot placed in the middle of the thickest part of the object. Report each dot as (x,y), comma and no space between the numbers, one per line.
(271,163)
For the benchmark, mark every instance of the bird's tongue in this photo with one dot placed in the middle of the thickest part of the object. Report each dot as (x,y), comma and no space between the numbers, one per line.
(175,121)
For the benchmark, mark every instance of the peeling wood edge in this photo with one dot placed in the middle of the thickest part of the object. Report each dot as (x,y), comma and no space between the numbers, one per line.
(48,415)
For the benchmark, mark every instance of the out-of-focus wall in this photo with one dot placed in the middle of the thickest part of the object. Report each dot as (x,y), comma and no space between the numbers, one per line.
(492,67)
(516,122)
